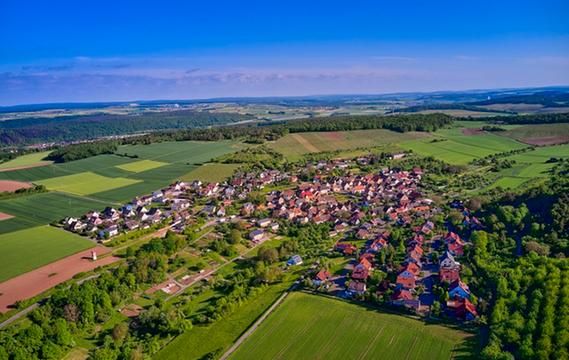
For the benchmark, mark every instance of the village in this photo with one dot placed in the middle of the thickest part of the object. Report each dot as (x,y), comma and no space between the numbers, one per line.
(362,209)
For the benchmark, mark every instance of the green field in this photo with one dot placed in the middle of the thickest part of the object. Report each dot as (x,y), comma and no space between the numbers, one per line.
(201,340)
(295,145)
(538,134)
(454,147)
(142,165)
(314,327)
(85,183)
(41,209)
(530,165)
(211,172)
(25,250)
(26,160)
(191,152)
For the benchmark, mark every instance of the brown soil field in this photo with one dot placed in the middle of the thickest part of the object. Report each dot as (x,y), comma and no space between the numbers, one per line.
(546,140)
(4,216)
(40,280)
(472,131)
(11,185)
(43,163)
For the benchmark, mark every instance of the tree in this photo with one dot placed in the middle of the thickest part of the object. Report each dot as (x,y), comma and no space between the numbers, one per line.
(235,236)
(120,331)
(540,249)
(268,255)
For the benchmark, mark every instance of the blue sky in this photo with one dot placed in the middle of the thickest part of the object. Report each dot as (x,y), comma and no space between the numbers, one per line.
(56,51)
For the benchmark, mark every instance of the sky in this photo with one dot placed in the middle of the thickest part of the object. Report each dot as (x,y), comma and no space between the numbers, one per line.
(83,51)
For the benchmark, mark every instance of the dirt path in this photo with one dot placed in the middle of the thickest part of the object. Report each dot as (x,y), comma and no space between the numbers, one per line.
(254,327)
(307,145)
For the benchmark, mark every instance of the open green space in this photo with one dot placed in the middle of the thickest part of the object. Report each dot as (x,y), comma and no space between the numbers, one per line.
(314,327)
(297,144)
(201,340)
(42,209)
(85,183)
(25,250)
(142,165)
(211,172)
(32,159)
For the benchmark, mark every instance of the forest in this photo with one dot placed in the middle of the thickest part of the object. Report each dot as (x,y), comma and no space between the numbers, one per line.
(73,128)
(519,266)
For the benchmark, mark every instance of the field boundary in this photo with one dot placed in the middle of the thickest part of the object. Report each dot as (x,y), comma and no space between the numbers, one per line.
(254,327)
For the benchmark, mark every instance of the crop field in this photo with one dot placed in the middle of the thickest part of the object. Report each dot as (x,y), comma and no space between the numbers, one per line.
(295,145)
(460,149)
(211,172)
(530,165)
(142,165)
(192,152)
(34,159)
(41,209)
(314,327)
(85,183)
(25,250)
(543,134)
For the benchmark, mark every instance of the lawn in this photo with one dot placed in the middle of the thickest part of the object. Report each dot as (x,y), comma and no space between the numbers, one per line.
(25,250)
(142,165)
(201,340)
(33,159)
(315,327)
(211,172)
(41,209)
(85,183)
(295,145)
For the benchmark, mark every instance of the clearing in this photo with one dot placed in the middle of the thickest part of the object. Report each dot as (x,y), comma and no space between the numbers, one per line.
(316,327)
(211,172)
(85,183)
(25,250)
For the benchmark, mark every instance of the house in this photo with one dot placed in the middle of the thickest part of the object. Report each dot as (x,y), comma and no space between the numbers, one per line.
(458,289)
(294,260)
(400,295)
(406,279)
(356,287)
(108,232)
(346,248)
(322,277)
(256,235)
(412,267)
(455,245)
(274,226)
(449,269)
(264,222)
(361,272)
(131,225)
(462,309)
(427,228)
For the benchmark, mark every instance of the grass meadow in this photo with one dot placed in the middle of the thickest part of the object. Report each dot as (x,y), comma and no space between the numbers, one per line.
(25,250)
(142,165)
(315,327)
